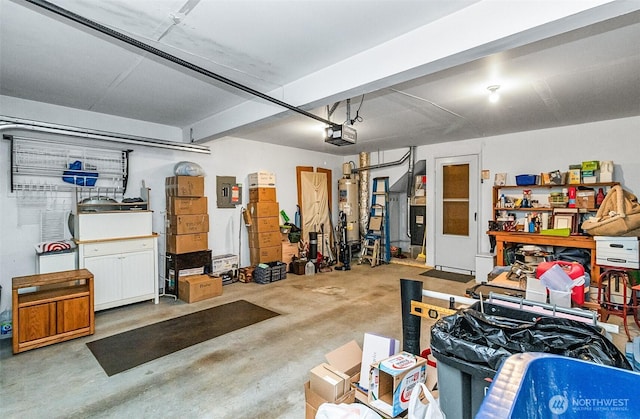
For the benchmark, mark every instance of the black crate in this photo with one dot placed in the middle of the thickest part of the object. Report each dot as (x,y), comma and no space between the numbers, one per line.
(270,272)
(175,262)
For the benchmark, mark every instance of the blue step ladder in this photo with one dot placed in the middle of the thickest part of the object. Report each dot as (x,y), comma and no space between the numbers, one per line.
(376,246)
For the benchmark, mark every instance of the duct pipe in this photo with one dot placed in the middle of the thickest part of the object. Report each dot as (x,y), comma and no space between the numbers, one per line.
(8,124)
(364,194)
(381,165)
(410,180)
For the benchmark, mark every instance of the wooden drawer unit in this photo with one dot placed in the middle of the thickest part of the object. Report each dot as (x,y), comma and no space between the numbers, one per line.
(60,309)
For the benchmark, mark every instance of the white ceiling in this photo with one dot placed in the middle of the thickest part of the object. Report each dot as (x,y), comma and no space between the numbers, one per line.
(420,68)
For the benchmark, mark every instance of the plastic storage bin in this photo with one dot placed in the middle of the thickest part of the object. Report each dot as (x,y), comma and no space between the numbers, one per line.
(535,385)
(270,272)
(526,180)
(470,346)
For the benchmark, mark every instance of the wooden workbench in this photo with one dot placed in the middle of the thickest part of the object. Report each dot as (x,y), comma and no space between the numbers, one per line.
(504,238)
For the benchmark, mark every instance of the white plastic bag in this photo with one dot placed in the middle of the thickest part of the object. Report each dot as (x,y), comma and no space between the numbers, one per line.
(346,411)
(419,410)
(188,168)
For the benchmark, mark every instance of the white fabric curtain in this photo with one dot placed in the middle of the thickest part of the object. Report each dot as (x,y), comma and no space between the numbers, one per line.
(315,203)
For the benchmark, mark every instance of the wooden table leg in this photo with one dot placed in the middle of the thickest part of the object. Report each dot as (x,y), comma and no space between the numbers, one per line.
(499,253)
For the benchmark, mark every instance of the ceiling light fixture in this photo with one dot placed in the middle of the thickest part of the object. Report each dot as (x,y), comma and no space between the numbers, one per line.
(494,96)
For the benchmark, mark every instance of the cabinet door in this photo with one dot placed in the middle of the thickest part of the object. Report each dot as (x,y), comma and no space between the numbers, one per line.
(72,314)
(107,277)
(138,274)
(36,322)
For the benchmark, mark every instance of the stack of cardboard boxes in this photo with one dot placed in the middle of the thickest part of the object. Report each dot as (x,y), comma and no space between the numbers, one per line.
(264,232)
(187,241)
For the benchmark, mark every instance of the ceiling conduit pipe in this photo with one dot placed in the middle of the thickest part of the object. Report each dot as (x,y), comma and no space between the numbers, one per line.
(53,8)
(14,124)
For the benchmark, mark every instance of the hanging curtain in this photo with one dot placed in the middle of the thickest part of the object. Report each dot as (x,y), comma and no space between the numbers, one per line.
(315,203)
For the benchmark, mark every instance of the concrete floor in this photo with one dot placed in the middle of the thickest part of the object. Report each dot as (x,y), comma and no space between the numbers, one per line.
(255,372)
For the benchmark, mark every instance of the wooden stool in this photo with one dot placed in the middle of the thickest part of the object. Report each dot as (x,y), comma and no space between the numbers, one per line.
(629,303)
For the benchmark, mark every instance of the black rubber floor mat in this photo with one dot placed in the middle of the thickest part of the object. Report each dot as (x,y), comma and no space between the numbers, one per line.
(450,276)
(135,347)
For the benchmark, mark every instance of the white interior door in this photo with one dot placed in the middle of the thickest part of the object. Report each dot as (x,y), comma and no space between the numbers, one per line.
(456,235)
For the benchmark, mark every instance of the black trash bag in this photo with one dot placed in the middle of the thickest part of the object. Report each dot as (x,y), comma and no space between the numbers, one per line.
(486,340)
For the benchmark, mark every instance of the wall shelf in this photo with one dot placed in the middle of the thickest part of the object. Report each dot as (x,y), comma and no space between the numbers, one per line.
(39,165)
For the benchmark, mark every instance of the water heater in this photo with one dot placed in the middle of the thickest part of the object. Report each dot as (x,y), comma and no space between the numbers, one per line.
(348,203)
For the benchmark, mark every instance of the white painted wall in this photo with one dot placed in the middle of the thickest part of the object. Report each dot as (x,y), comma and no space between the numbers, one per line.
(229,157)
(527,152)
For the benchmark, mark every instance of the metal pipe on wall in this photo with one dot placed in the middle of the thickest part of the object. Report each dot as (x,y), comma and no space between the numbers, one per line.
(410,180)
(364,193)
(381,165)
(10,124)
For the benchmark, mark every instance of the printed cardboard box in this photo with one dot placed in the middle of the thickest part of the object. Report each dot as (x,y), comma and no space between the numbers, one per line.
(262,195)
(196,288)
(184,186)
(187,243)
(186,206)
(188,224)
(392,380)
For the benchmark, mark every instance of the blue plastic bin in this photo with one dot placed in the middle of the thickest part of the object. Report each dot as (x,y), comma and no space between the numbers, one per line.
(526,180)
(540,385)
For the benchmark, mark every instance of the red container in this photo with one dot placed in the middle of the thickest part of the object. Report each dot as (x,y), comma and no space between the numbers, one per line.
(573,269)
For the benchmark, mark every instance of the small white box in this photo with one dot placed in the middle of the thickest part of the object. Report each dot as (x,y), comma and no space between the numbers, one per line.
(536,291)
(617,252)
(262,180)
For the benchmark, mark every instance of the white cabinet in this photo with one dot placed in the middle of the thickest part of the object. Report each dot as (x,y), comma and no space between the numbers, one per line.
(125,270)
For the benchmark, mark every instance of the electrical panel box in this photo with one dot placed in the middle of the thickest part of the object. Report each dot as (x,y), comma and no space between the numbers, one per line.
(228,192)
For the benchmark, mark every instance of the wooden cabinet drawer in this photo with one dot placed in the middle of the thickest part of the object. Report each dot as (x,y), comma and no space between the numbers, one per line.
(117,246)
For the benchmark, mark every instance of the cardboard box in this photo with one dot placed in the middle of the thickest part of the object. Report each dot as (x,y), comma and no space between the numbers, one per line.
(289,250)
(263,209)
(267,239)
(265,224)
(328,382)
(188,224)
(590,165)
(187,206)
(184,186)
(575,175)
(186,243)
(224,263)
(262,180)
(586,199)
(392,380)
(265,254)
(313,400)
(199,287)
(345,359)
(262,195)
